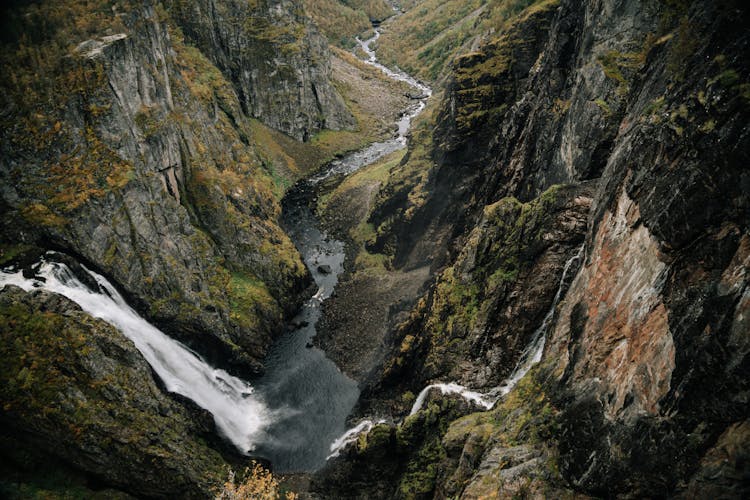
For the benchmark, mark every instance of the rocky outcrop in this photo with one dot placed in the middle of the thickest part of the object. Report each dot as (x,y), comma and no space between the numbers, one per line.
(75,390)
(277,62)
(646,361)
(483,310)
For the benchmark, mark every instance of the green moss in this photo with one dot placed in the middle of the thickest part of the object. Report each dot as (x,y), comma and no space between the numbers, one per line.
(66,374)
(683,45)
(341,22)
(248,295)
(377,440)
(603,106)
(429,36)
(620,66)
(727,78)
(10,251)
(419,440)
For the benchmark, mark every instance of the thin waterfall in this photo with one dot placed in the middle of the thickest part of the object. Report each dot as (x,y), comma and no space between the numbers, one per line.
(351,435)
(533,352)
(529,357)
(239,415)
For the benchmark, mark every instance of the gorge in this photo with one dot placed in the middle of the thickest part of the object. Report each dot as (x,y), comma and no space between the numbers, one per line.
(236,231)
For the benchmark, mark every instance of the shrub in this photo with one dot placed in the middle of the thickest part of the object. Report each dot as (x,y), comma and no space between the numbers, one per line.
(258,484)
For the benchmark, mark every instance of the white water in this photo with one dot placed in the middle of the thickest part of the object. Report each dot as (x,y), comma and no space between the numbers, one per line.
(533,352)
(529,357)
(475,397)
(238,414)
(351,436)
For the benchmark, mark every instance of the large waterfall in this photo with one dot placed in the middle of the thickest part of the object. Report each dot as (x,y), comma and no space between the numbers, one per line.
(239,414)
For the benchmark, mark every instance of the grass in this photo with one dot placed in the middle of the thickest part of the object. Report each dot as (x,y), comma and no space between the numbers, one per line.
(376,173)
(432,33)
(427,36)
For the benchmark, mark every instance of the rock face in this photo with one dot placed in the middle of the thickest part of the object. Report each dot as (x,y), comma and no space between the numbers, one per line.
(646,362)
(274,57)
(74,389)
(146,167)
(484,309)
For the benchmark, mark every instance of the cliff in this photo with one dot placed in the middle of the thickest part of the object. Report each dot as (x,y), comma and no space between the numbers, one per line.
(639,110)
(81,408)
(127,141)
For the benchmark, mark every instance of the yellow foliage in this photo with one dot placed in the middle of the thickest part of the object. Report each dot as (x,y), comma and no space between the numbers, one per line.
(259,484)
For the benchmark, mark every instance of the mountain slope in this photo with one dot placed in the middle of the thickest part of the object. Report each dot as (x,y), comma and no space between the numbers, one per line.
(643,379)
(124,145)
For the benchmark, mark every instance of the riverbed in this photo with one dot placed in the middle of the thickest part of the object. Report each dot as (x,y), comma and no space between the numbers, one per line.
(306,392)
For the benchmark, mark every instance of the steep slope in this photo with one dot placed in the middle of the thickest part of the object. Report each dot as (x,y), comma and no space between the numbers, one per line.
(78,397)
(275,59)
(124,145)
(643,381)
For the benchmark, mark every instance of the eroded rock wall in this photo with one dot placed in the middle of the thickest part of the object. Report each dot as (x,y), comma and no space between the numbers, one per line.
(75,390)
(126,146)
(646,364)
(276,60)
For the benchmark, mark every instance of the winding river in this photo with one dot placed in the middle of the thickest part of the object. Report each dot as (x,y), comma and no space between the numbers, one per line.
(296,413)
(308,395)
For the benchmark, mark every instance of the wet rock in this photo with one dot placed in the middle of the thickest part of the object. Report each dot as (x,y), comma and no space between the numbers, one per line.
(299,323)
(643,358)
(324,269)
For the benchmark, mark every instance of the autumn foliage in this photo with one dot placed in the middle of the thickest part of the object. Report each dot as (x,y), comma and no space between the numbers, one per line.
(258,484)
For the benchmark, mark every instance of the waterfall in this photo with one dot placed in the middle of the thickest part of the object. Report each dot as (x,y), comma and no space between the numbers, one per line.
(529,357)
(239,415)
(351,435)
(533,352)
(475,397)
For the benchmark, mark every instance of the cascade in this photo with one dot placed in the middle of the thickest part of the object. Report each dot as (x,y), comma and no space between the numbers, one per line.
(240,415)
(529,357)
(351,435)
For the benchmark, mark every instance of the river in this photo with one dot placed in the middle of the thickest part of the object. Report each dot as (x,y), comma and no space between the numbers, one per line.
(308,394)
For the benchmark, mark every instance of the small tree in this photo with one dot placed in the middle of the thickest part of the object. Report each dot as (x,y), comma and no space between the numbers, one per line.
(258,484)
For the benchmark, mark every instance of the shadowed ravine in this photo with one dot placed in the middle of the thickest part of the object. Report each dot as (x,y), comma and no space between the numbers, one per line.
(293,414)
(307,392)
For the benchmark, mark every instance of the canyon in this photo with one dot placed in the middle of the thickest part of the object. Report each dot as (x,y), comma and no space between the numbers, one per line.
(436,249)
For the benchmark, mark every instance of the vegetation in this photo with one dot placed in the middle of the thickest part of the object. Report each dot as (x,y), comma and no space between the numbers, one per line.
(407,180)
(9,252)
(340,22)
(69,378)
(465,293)
(249,299)
(363,234)
(433,33)
(39,71)
(257,484)
(344,20)
(442,444)
(428,35)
